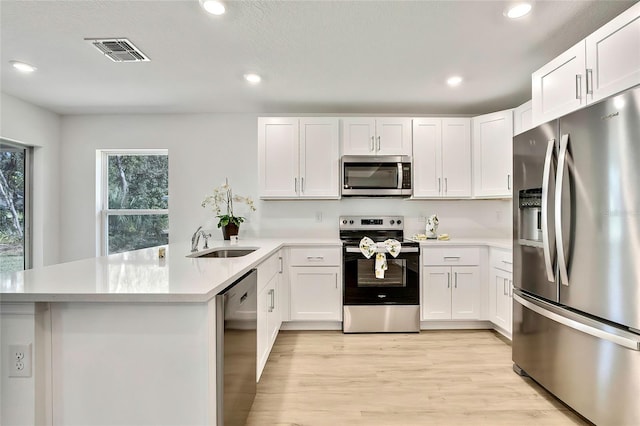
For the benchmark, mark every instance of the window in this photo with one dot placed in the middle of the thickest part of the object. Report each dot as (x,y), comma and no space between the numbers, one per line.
(134,200)
(15,207)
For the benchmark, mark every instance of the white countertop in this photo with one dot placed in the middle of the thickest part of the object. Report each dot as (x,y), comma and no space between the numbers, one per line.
(140,276)
(501,243)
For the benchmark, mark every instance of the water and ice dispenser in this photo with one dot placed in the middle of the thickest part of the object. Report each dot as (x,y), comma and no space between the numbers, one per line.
(530,207)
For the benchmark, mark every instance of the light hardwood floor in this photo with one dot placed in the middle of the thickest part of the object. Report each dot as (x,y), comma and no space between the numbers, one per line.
(431,378)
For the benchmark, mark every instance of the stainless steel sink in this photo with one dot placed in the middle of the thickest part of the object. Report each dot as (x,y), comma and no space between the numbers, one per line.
(225,252)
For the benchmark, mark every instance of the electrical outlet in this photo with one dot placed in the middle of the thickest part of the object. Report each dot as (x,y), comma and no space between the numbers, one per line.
(20,360)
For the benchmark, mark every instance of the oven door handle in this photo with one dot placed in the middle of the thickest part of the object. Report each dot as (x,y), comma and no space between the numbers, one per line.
(383,250)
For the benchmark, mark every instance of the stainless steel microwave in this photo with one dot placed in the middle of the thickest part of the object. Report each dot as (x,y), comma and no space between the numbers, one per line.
(376,176)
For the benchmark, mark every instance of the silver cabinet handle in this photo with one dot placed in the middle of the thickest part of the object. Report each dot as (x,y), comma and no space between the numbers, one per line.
(302,184)
(510,288)
(578,86)
(439,185)
(281,264)
(448,279)
(507,262)
(456,279)
(315,257)
(451,257)
(546,245)
(446,186)
(373,144)
(271,304)
(589,81)
(562,161)
(295,184)
(509,182)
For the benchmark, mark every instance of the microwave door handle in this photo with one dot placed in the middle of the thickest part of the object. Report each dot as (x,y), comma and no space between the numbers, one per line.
(399,175)
(562,162)
(546,245)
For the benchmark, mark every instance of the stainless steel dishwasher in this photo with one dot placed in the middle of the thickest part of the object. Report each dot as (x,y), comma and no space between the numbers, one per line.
(236,350)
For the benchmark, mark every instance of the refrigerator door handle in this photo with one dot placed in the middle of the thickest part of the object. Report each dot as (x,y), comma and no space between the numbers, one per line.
(562,161)
(626,340)
(546,246)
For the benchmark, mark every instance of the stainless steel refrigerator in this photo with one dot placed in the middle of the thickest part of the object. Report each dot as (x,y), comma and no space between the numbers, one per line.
(576,253)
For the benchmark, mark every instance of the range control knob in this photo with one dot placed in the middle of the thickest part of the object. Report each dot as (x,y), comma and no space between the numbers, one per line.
(344,221)
(392,221)
(351,222)
(399,222)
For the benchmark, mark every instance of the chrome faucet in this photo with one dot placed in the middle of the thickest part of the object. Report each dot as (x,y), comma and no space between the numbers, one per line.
(195,239)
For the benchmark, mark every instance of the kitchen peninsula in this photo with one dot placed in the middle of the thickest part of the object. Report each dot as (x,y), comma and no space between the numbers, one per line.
(121,339)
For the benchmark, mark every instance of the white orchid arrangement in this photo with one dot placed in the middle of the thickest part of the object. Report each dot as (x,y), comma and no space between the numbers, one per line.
(222,199)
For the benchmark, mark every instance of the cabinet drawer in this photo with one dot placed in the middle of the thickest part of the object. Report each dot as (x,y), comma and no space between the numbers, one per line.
(502,259)
(267,269)
(315,256)
(451,256)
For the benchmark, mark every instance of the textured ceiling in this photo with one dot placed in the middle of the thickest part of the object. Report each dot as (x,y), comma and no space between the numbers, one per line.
(372,57)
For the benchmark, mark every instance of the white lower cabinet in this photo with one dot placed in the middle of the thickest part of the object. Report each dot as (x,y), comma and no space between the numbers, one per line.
(269,312)
(316,293)
(451,284)
(501,290)
(451,292)
(315,279)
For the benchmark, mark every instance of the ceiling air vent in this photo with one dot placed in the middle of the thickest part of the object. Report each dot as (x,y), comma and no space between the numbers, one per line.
(118,49)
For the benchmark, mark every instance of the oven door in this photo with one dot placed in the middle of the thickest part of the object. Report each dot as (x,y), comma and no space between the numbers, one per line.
(399,286)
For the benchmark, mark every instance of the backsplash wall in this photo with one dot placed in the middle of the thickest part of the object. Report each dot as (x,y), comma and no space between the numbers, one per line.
(203,150)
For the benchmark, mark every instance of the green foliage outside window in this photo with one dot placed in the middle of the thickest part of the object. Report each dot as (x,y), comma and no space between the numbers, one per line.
(137,182)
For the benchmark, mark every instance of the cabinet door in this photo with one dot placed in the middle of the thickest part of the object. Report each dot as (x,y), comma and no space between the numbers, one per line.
(273,311)
(393,136)
(492,148)
(358,136)
(559,87)
(316,293)
(427,157)
(522,118)
(319,158)
(436,292)
(278,157)
(456,157)
(465,292)
(500,299)
(262,332)
(613,55)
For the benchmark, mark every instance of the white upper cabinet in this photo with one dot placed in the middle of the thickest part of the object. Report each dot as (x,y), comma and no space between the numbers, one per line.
(278,155)
(492,150)
(613,55)
(606,62)
(558,87)
(298,157)
(441,158)
(376,136)
(522,118)
(319,158)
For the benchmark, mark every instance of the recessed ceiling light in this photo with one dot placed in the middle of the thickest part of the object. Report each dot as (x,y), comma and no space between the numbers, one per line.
(23,67)
(253,78)
(454,81)
(518,10)
(214,7)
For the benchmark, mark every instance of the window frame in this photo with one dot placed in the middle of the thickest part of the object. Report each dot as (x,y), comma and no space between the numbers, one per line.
(28,198)
(103,197)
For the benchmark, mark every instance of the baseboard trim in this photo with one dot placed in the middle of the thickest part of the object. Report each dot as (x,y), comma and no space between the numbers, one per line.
(311,325)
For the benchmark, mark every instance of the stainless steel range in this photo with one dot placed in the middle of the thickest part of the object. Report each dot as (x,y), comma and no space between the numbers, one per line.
(371,303)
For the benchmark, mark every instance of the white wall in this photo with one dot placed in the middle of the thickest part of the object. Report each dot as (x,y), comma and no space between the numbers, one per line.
(203,150)
(30,125)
